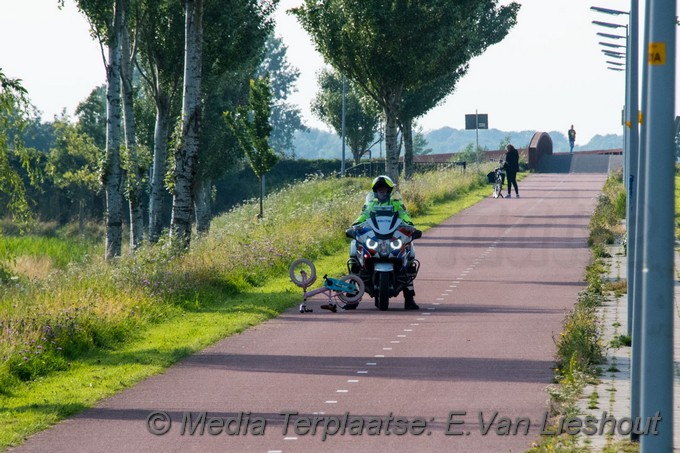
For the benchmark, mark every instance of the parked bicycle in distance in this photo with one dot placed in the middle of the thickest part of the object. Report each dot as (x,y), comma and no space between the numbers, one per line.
(497,178)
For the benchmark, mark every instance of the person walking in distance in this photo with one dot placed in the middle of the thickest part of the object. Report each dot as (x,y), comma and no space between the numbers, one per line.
(511,169)
(572,138)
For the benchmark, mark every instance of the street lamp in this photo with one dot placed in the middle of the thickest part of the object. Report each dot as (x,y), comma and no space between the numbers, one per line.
(609,24)
(614,12)
(635,179)
(613,53)
(609,35)
(608,44)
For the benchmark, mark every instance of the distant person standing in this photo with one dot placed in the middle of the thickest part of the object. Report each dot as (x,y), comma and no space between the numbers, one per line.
(572,138)
(511,169)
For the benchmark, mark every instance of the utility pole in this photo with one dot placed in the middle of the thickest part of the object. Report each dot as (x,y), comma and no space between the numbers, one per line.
(344,95)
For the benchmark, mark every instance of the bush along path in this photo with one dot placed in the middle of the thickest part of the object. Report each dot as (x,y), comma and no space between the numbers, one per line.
(91,330)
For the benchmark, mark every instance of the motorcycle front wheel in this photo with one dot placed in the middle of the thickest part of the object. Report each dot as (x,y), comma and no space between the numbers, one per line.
(382,298)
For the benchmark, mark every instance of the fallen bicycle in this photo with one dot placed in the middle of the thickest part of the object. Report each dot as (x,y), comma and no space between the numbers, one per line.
(344,292)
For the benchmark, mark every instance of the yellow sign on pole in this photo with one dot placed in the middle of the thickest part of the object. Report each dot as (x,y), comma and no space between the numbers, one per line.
(657,53)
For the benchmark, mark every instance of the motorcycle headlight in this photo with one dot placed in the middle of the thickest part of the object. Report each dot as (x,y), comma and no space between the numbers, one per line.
(371,244)
(396,244)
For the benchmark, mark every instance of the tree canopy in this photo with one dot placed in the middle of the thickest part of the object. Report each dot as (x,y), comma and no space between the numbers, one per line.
(362,115)
(396,47)
(285,118)
(251,126)
(14,108)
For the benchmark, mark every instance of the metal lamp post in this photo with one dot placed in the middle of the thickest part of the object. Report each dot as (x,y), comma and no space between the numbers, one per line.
(344,95)
(634,181)
(657,307)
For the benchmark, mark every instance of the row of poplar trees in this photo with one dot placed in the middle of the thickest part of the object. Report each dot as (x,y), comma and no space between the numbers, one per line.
(181,61)
(405,55)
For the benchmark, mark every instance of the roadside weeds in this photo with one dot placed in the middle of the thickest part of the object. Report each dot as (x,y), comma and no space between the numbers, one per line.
(583,358)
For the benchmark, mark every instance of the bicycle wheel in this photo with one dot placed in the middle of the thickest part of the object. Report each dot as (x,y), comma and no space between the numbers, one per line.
(298,267)
(496,189)
(349,298)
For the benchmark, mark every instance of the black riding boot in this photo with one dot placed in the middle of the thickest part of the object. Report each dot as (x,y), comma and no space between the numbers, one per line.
(409,303)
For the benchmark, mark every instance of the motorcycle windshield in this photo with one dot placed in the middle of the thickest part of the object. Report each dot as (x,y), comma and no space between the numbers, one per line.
(384,221)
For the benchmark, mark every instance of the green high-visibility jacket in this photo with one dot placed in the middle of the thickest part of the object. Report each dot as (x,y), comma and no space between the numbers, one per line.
(372,204)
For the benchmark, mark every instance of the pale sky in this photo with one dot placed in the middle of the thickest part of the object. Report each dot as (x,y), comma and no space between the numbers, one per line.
(547,74)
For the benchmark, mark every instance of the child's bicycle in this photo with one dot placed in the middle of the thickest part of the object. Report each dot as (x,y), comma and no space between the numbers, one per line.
(343,292)
(497,177)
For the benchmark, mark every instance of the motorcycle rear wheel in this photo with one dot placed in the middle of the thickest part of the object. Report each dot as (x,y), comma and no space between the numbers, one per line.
(383,296)
(298,267)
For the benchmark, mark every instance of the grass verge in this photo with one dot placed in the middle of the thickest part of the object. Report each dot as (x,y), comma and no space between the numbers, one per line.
(580,347)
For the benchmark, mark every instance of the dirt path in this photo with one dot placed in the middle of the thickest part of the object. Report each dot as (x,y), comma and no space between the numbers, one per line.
(494,286)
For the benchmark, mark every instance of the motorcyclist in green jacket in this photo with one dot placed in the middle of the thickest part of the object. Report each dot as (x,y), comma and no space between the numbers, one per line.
(382,195)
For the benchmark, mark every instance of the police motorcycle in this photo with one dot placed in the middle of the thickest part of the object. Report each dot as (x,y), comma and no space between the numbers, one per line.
(382,254)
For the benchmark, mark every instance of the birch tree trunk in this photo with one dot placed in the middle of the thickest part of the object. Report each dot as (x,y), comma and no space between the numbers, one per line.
(202,206)
(113,173)
(134,179)
(160,154)
(186,156)
(408,148)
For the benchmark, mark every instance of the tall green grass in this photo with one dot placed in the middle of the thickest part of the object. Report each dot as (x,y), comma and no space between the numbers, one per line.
(579,346)
(61,252)
(48,323)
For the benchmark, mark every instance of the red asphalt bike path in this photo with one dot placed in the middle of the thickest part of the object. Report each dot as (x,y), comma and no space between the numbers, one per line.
(495,284)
